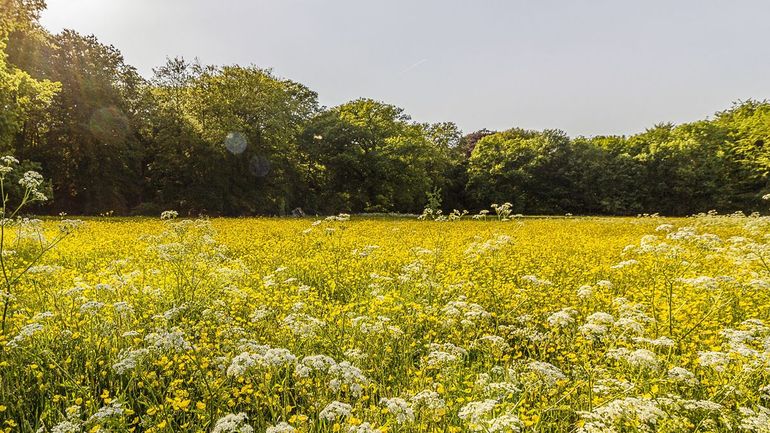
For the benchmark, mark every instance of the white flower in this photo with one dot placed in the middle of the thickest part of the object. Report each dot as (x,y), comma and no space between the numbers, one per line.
(427,400)
(68,226)
(643,358)
(105,412)
(501,390)
(314,363)
(765,392)
(682,375)
(303,326)
(625,264)
(260,314)
(123,307)
(399,408)
(465,312)
(42,316)
(563,318)
(601,318)
(612,386)
(585,291)
(91,307)
(169,214)
(278,357)
(72,412)
(630,326)
(31,180)
(616,413)
(536,281)
(281,427)
(378,325)
(233,423)
(593,331)
(129,360)
(505,423)
(8,160)
(25,333)
(475,411)
(335,410)
(597,325)
(346,374)
(355,355)
(175,311)
(44,269)
(604,284)
(701,281)
(494,341)
(67,427)
(168,340)
(657,342)
(701,405)
(755,420)
(478,249)
(715,360)
(242,363)
(444,354)
(548,373)
(364,427)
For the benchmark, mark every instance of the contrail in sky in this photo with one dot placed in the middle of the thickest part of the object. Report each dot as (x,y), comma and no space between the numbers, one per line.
(414,66)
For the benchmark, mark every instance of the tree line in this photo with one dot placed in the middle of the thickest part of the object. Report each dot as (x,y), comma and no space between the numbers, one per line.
(240,140)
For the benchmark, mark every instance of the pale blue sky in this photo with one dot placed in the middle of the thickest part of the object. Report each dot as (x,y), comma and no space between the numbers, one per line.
(587,67)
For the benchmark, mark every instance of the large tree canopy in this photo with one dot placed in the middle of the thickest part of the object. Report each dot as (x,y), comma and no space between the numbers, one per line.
(21,95)
(368,156)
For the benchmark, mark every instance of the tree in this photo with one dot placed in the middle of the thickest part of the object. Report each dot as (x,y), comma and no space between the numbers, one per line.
(21,95)
(90,145)
(369,156)
(747,146)
(685,169)
(526,168)
(608,178)
(226,138)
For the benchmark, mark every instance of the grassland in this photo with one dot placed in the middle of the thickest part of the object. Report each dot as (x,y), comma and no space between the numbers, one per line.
(397,325)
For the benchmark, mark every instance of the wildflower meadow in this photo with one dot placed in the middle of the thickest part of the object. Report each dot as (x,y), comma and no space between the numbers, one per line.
(485,323)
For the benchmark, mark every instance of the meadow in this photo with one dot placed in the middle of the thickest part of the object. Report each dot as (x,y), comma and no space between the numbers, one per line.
(354,324)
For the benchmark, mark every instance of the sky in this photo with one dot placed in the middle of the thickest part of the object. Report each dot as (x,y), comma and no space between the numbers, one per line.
(588,67)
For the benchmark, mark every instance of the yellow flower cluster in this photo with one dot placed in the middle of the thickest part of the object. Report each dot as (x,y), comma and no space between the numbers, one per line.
(394,325)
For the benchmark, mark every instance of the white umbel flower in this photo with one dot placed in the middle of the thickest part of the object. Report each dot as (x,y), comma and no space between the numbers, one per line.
(233,423)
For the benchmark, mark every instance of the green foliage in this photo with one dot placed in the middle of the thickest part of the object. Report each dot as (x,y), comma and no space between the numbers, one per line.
(434,200)
(87,138)
(674,170)
(369,156)
(224,140)
(747,145)
(21,95)
(527,168)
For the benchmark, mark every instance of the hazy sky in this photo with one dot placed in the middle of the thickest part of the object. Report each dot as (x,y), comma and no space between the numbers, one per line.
(587,67)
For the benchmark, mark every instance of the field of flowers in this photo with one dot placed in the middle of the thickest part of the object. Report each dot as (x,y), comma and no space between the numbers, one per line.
(387,325)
